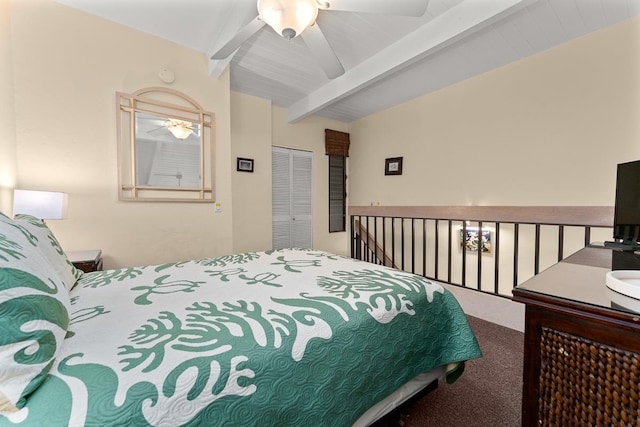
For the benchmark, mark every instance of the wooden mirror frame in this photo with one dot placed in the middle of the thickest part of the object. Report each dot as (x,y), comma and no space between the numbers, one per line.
(173,105)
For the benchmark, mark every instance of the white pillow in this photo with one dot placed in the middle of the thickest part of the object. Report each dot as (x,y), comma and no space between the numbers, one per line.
(35,276)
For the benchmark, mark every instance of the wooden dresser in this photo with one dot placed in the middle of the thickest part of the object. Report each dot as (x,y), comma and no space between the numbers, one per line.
(582,344)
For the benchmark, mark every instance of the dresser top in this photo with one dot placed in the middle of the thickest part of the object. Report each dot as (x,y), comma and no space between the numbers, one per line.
(91,255)
(580,279)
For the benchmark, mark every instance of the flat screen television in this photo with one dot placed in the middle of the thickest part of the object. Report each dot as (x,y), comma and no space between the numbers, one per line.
(626,219)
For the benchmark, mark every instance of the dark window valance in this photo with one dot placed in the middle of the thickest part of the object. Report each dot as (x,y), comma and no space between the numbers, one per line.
(336,143)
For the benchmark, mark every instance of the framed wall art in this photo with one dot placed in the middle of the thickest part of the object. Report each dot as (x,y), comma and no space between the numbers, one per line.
(393,166)
(244,165)
(475,239)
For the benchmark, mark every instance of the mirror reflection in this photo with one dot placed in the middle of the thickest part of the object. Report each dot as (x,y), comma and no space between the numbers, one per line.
(167,152)
(165,147)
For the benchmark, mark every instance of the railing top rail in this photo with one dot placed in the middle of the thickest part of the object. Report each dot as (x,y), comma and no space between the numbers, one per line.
(593,216)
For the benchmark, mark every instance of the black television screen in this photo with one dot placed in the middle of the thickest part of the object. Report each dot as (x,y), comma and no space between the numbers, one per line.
(626,221)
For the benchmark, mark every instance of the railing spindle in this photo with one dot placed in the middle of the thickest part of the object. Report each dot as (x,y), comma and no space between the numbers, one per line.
(402,243)
(536,258)
(384,240)
(366,245)
(437,249)
(480,247)
(516,229)
(496,259)
(587,236)
(464,253)
(376,258)
(424,247)
(413,245)
(353,236)
(449,255)
(393,242)
(560,243)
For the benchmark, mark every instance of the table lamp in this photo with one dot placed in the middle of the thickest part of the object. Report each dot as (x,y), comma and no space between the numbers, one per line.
(41,204)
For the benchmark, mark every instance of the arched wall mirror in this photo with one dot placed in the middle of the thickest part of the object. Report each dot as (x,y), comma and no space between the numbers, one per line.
(165,147)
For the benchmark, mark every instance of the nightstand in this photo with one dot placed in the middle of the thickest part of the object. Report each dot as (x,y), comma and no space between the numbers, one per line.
(87,261)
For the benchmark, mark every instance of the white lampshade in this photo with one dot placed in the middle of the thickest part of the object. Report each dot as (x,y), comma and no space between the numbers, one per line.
(180,131)
(288,18)
(41,204)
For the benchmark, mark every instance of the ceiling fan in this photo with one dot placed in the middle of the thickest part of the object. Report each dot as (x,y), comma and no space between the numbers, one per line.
(180,129)
(292,18)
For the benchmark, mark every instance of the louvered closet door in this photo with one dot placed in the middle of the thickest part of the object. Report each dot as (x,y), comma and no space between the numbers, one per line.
(301,199)
(281,198)
(291,198)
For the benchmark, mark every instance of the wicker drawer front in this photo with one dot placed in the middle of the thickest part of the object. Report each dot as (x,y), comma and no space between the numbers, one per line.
(587,383)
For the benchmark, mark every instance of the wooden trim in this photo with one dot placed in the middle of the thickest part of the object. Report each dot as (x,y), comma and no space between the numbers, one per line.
(595,216)
(196,108)
(577,310)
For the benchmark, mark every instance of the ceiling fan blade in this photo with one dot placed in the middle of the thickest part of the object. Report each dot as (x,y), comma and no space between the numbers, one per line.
(320,48)
(242,36)
(395,7)
(152,122)
(162,130)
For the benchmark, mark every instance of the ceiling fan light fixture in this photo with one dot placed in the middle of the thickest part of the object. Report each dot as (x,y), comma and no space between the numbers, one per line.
(289,18)
(180,129)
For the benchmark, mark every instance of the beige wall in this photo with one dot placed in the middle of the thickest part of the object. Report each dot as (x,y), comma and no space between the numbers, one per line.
(8,159)
(256,127)
(547,130)
(67,67)
(251,136)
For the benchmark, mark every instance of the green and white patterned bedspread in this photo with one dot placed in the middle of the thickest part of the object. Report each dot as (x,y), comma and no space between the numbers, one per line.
(277,338)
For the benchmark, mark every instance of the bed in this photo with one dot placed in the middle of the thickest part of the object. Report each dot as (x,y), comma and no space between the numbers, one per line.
(283,338)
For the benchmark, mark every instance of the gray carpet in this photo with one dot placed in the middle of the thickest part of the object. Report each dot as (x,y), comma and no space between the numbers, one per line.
(488,393)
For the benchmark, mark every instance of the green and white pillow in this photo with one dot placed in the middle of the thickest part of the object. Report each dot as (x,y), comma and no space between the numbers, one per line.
(35,276)
(56,258)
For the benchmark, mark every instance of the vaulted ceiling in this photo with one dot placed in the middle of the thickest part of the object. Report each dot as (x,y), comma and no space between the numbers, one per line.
(387,59)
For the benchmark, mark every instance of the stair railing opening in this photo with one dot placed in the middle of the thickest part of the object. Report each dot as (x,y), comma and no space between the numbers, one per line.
(489,249)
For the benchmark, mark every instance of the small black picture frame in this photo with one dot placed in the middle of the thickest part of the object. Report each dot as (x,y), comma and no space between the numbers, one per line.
(244,165)
(393,166)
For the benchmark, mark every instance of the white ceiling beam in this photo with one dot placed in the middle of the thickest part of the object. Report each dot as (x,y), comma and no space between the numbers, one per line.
(241,12)
(443,30)
(217,66)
